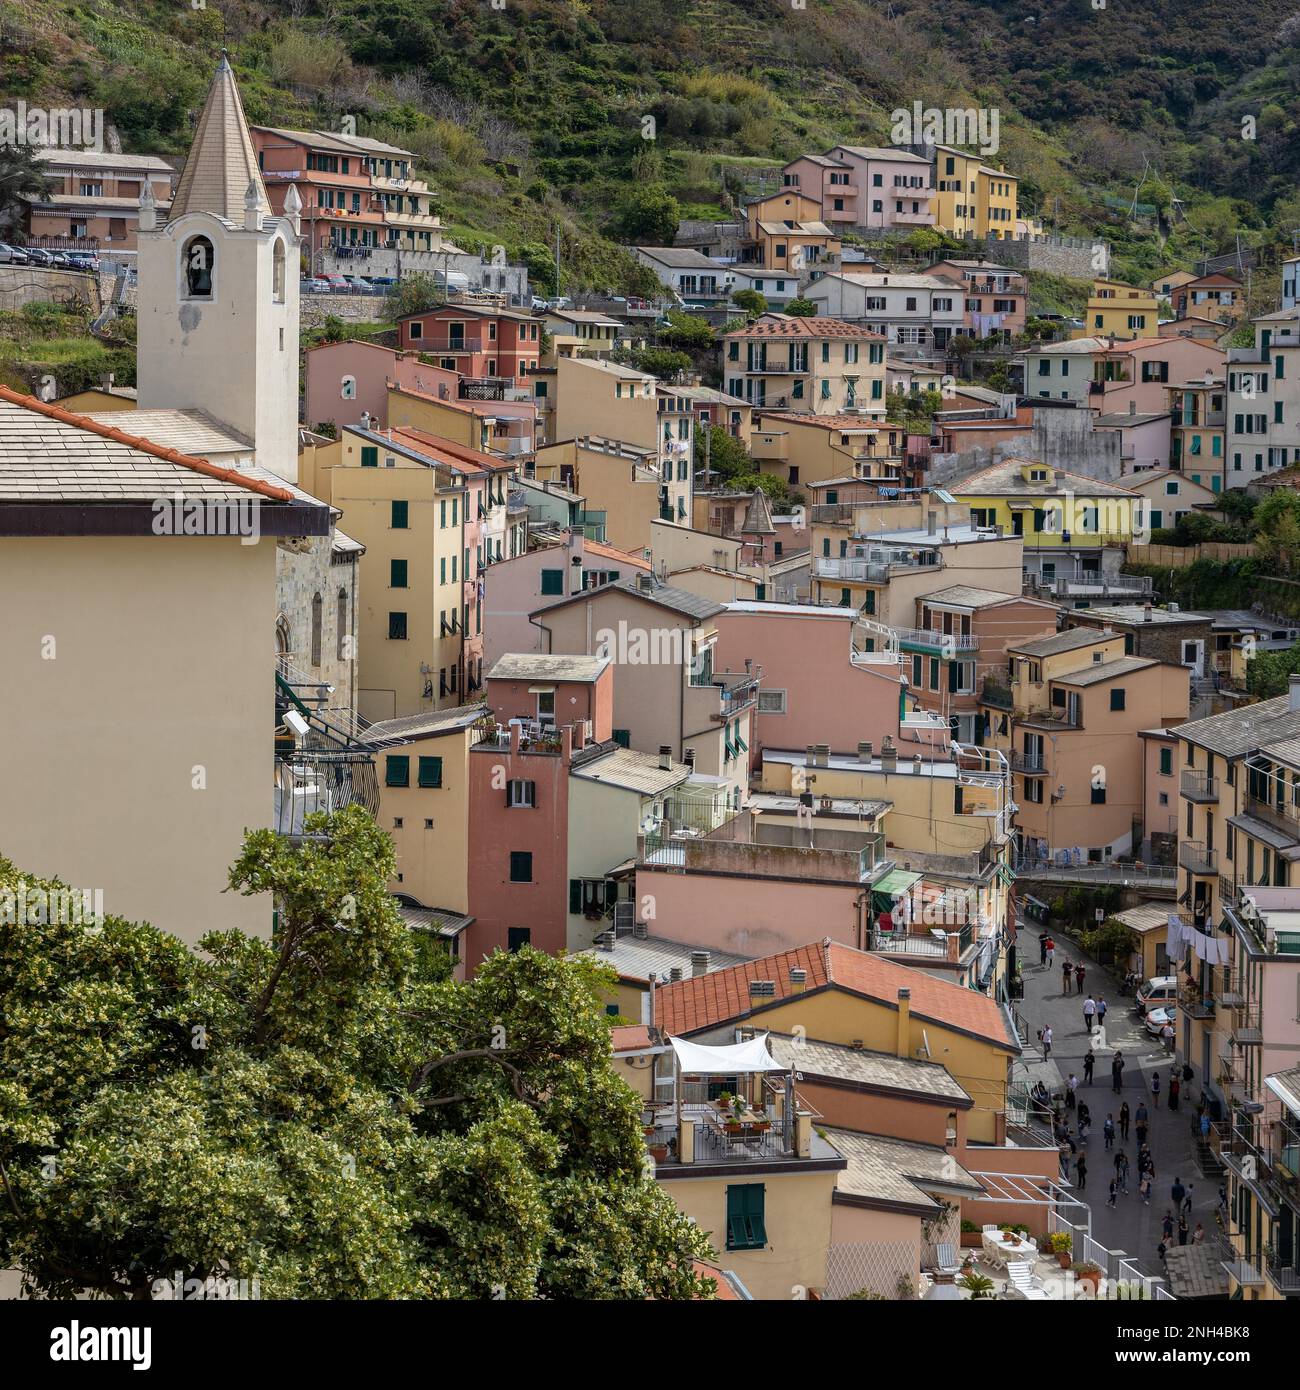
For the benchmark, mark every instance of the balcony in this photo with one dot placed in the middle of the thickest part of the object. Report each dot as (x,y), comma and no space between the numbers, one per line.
(924,639)
(1285,1277)
(748,848)
(1274,815)
(1087,584)
(995,693)
(484,388)
(311,780)
(1193,856)
(1199,786)
(440,342)
(934,945)
(1031,763)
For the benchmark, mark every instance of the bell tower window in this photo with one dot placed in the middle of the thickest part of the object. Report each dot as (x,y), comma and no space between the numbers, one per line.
(277,272)
(199,260)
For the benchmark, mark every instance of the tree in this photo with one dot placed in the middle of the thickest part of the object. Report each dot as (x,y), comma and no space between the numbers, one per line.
(22,176)
(727,455)
(647,215)
(413,294)
(664,363)
(999,377)
(326,1112)
(750,301)
(1277,519)
(686,331)
(802,308)
(1268,673)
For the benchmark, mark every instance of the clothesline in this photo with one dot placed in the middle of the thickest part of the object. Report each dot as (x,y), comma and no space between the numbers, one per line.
(1210,950)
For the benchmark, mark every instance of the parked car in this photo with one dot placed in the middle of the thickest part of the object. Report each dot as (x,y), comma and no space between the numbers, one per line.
(1157,992)
(12,255)
(313,285)
(359,282)
(336,282)
(1157,1019)
(540,304)
(83,260)
(36,255)
(383,282)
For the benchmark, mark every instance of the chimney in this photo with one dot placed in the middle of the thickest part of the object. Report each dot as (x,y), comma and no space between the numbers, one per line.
(665,756)
(916,764)
(1293,694)
(798,981)
(864,752)
(688,757)
(904,1048)
(810,755)
(365,419)
(699,963)
(675,974)
(1132,407)
(579,735)
(640,930)
(823,755)
(761,990)
(1146,612)
(888,755)
(932,523)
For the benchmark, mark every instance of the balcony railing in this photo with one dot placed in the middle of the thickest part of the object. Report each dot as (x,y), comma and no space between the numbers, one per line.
(995,693)
(1199,786)
(314,780)
(938,641)
(1026,762)
(447,343)
(1193,856)
(1086,583)
(1275,816)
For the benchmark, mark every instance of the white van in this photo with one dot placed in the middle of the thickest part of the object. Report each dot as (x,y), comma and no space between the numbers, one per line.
(1158,991)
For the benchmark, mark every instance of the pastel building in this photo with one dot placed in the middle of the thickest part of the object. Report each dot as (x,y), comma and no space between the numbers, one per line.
(1117,310)
(480,343)
(912,311)
(1263,407)
(820,366)
(94,200)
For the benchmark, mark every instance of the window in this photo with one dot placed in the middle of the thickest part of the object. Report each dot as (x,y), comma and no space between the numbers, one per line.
(430,772)
(518,937)
(1117,699)
(521,866)
(341,634)
(771,701)
(520,792)
(415,328)
(400,518)
(397,771)
(198,261)
(1166,762)
(1034,790)
(370,456)
(745,1212)
(397,627)
(397,574)
(1099,796)
(317,623)
(552,581)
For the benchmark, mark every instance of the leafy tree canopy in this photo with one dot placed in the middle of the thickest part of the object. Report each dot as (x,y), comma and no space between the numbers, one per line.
(326,1112)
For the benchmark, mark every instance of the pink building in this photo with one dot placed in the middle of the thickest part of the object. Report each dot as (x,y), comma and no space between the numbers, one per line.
(819,684)
(546,709)
(517,588)
(996,297)
(893,188)
(1135,376)
(343,381)
(830,181)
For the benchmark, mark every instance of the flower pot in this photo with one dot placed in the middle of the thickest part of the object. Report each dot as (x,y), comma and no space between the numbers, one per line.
(972,1240)
(1064,1259)
(659,1152)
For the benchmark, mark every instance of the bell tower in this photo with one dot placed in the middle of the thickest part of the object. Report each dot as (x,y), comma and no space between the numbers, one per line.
(217,295)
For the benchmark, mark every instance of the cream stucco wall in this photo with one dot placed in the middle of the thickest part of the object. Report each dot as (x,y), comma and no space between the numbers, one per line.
(161,674)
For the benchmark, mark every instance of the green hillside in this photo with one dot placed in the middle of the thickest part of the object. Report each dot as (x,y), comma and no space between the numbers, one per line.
(531,118)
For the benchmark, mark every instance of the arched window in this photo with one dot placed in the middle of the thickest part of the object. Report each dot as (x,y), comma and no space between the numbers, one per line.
(343,646)
(282,647)
(317,615)
(198,260)
(277,271)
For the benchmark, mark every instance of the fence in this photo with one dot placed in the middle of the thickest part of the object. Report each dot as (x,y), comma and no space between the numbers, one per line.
(1178,556)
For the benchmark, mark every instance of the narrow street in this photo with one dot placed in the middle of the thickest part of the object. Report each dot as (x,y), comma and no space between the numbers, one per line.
(1131,1226)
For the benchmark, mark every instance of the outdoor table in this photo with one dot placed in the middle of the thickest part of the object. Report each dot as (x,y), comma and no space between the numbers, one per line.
(999,1251)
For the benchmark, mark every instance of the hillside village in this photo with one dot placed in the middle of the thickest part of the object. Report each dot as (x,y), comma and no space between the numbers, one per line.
(818,632)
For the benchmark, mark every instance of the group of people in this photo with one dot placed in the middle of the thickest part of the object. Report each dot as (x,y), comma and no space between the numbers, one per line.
(1176,1218)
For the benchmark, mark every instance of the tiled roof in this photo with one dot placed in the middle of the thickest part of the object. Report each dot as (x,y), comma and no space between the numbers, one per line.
(693,1006)
(51,454)
(548,666)
(190,431)
(786,326)
(389,732)
(882,152)
(101,159)
(634,771)
(878,1070)
(678,257)
(967,596)
(1069,640)
(823,422)
(1005,478)
(1102,671)
(812,228)
(655,957)
(1144,917)
(1239,731)
(897,1171)
(1137,613)
(221,162)
(665,595)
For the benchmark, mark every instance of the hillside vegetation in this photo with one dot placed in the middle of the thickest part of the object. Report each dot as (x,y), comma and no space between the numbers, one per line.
(531,119)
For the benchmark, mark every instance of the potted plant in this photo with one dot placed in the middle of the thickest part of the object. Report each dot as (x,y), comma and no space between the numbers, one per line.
(1061,1244)
(1088,1275)
(978,1285)
(972,1238)
(659,1152)
(724,1101)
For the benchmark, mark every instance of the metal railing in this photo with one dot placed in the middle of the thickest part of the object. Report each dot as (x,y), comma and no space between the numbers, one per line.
(945,641)
(311,781)
(1062,870)
(1273,815)
(1199,786)
(1026,762)
(1193,856)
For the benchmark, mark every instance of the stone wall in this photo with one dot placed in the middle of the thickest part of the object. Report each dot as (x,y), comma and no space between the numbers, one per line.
(304,569)
(21,284)
(1059,438)
(314,309)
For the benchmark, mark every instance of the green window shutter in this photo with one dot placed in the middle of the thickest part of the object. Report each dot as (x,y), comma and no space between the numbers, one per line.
(953,673)
(552,581)
(397,771)
(430,772)
(746,1212)
(1166,761)
(400,518)
(397,627)
(575,895)
(623,737)
(370,456)
(397,574)
(832,496)
(869,601)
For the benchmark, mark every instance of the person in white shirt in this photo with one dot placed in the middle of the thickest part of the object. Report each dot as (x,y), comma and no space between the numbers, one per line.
(1089,1012)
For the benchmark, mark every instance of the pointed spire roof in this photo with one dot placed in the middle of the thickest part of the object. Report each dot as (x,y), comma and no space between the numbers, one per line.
(222,162)
(758,516)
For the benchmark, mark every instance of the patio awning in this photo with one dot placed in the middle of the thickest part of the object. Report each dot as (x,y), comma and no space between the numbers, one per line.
(890,888)
(695,1059)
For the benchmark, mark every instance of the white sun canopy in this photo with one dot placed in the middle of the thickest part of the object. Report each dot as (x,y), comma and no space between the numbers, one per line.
(695,1059)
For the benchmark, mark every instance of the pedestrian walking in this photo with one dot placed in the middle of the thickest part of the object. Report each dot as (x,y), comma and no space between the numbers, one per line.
(1042,948)
(1187,1199)
(1141,1125)
(1182,1230)
(1081,1170)
(1078,978)
(1167,1036)
(1167,1224)
(1198,1235)
(1205,1126)
(1089,1012)
(1176,1194)
(1067,974)
(1101,1012)
(1121,1171)
(1161,1250)
(1117,1071)
(1051,950)
(1047,1041)
(1071,1086)
(1063,1154)
(1155,1087)
(1144,1187)
(1110,1201)
(1123,1121)
(1175,1086)
(1108,1132)
(1088,1061)
(1223,1199)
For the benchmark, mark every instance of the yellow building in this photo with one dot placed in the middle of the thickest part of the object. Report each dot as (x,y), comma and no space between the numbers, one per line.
(787,231)
(805,449)
(99,400)
(816,366)
(1120,311)
(490,427)
(973,198)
